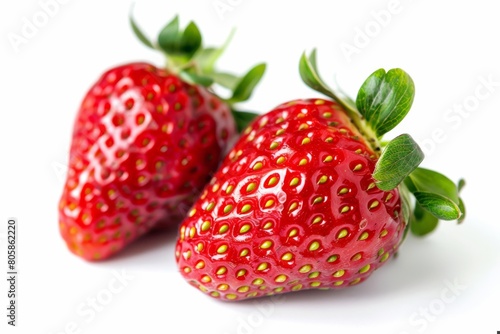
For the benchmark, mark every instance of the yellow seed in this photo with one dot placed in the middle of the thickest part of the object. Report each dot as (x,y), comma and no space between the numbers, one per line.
(269,203)
(388,198)
(199,247)
(205,226)
(328,159)
(339,273)
(338,283)
(222,249)
(221,271)
(384,257)
(295,181)
(229,189)
(263,266)
(317,219)
(363,236)
(266,244)
(192,232)
(342,234)
(345,209)
(274,145)
(192,212)
(305,269)
(280,278)
(356,257)
(243,289)
(223,287)
(272,181)
(206,279)
(371,186)
(187,270)
(327,114)
(343,191)
(245,228)
(228,208)
(251,187)
(287,256)
(305,141)
(293,233)
(215,294)
(332,258)
(357,167)
(244,252)
(224,228)
(364,269)
(280,132)
(355,281)
(315,284)
(268,225)
(280,160)
(303,126)
(200,265)
(318,200)
(319,102)
(374,204)
(314,246)
(258,281)
(303,162)
(380,252)
(246,208)
(215,187)
(241,272)
(278,289)
(258,166)
(252,294)
(293,206)
(231,296)
(323,179)
(297,287)
(329,140)
(210,206)
(202,288)
(383,233)
(187,255)
(313,274)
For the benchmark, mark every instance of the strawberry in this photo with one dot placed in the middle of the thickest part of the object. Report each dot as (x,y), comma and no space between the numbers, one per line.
(306,199)
(145,142)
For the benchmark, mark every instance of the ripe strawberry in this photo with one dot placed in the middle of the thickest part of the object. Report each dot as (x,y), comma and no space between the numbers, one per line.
(146,141)
(305,200)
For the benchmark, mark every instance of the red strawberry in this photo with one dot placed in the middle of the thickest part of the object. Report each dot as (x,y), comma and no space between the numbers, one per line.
(296,204)
(145,143)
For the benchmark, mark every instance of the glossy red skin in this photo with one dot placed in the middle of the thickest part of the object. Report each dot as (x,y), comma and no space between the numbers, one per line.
(218,272)
(144,145)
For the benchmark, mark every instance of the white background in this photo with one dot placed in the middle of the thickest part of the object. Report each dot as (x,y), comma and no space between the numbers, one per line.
(449,48)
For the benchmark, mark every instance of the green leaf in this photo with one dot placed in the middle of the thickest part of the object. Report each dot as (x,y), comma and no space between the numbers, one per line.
(438,205)
(460,185)
(309,74)
(140,35)
(196,79)
(243,119)
(245,87)
(191,39)
(170,37)
(423,222)
(426,180)
(226,80)
(385,98)
(400,157)
(461,206)
(207,58)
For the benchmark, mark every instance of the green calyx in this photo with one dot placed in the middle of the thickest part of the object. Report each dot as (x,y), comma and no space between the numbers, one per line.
(195,64)
(383,101)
